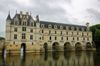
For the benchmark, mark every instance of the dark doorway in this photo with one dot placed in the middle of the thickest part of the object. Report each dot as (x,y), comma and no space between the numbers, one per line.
(55,46)
(45,47)
(88,46)
(67,47)
(78,46)
(23,46)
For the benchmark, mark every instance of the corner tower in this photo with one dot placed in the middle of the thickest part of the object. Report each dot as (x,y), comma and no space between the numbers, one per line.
(8,27)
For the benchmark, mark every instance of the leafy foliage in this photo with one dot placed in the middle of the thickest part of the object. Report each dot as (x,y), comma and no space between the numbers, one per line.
(1,38)
(96,34)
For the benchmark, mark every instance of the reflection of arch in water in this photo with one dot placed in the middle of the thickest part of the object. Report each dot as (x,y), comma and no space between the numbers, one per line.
(23,46)
(67,46)
(46,56)
(45,47)
(55,55)
(55,46)
(88,45)
(67,55)
(78,46)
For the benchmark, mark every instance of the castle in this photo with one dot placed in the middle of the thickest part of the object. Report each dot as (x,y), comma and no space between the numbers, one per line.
(33,35)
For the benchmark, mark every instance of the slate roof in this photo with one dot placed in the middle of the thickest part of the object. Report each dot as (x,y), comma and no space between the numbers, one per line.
(46,23)
(8,17)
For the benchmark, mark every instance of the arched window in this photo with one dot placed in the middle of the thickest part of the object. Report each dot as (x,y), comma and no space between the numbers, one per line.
(50,38)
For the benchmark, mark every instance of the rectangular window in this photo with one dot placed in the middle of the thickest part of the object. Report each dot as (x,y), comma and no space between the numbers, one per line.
(31,37)
(55,32)
(83,38)
(61,33)
(67,38)
(88,39)
(15,29)
(82,34)
(23,36)
(73,38)
(87,34)
(31,30)
(42,31)
(72,33)
(61,38)
(49,31)
(66,33)
(15,36)
(77,38)
(50,37)
(23,28)
(42,38)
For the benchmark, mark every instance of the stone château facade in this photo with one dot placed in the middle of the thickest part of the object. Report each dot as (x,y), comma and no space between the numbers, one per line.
(34,35)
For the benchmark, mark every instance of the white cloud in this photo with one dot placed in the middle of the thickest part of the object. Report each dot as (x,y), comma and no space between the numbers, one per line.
(75,11)
(24,2)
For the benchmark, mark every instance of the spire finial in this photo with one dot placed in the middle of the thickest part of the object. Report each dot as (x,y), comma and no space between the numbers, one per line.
(8,17)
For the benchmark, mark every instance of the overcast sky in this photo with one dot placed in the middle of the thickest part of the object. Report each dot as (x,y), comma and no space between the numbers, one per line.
(64,11)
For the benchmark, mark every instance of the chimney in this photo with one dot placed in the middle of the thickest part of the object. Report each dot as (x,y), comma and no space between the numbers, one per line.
(37,18)
(87,24)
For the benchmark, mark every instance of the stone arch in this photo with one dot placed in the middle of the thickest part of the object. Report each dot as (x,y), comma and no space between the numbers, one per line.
(23,46)
(55,46)
(45,46)
(88,45)
(67,46)
(78,46)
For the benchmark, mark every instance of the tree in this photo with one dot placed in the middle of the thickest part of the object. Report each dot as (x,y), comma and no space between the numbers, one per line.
(96,34)
(1,38)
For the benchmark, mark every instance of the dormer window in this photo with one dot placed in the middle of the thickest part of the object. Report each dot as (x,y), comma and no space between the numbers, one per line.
(42,25)
(31,23)
(55,26)
(49,26)
(24,23)
(82,29)
(77,28)
(72,28)
(69,28)
(66,27)
(61,27)
(15,22)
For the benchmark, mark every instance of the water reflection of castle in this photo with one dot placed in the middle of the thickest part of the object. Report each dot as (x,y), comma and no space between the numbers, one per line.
(52,59)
